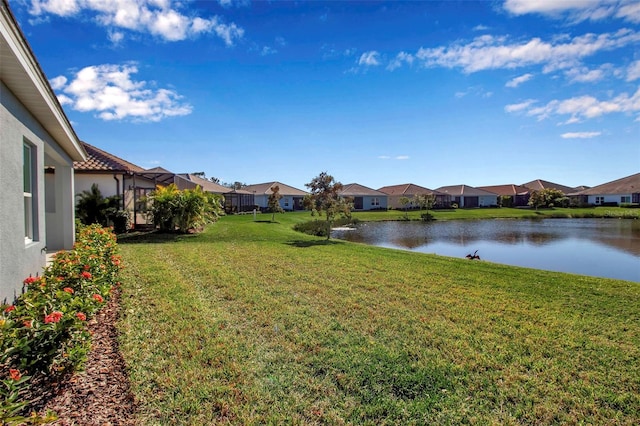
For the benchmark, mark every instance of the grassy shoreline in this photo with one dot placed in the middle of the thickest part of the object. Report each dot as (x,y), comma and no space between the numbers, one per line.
(253,323)
(504,213)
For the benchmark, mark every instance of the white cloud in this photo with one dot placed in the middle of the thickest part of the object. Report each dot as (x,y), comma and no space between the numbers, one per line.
(490,52)
(400,59)
(397,157)
(580,135)
(633,72)
(577,10)
(517,81)
(585,75)
(116,37)
(580,108)
(161,18)
(474,90)
(369,59)
(481,28)
(267,50)
(58,83)
(236,3)
(109,91)
(520,106)
(630,12)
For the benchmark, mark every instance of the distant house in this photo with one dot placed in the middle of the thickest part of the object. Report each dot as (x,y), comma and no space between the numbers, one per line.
(37,148)
(239,201)
(625,190)
(291,197)
(205,184)
(468,196)
(364,198)
(117,177)
(518,195)
(539,184)
(409,190)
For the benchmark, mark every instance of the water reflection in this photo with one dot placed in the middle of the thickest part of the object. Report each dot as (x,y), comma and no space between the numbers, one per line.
(598,247)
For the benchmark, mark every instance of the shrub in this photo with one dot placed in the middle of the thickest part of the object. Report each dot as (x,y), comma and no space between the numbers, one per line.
(176,210)
(44,332)
(427,217)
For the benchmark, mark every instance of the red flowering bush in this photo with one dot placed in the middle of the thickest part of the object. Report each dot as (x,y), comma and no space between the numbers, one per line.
(44,331)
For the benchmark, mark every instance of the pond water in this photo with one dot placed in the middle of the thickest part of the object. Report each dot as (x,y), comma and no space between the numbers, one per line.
(596,247)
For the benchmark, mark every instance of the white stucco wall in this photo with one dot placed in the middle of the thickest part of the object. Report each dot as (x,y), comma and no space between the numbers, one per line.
(608,198)
(106,184)
(18,259)
(366,203)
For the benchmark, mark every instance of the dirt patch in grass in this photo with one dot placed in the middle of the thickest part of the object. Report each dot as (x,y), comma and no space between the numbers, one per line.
(100,394)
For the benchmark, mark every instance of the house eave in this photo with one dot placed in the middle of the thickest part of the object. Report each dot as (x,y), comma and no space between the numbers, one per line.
(23,76)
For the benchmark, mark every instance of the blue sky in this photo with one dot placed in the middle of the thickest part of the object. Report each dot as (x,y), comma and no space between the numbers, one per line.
(378,93)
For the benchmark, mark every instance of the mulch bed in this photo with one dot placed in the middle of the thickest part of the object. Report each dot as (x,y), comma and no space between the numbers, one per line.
(100,394)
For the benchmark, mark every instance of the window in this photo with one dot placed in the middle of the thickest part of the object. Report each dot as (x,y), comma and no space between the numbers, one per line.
(599,200)
(375,201)
(286,202)
(28,189)
(625,199)
(142,199)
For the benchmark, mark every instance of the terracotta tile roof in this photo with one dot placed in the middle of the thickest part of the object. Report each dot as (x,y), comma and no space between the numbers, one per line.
(464,190)
(539,184)
(625,185)
(265,189)
(507,190)
(357,190)
(99,160)
(407,189)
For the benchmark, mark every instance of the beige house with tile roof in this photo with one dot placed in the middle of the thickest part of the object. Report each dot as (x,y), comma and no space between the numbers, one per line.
(519,195)
(468,196)
(410,190)
(291,197)
(364,198)
(37,148)
(131,183)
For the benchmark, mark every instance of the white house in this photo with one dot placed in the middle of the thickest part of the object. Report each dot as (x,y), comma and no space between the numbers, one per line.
(291,197)
(625,190)
(37,148)
(364,198)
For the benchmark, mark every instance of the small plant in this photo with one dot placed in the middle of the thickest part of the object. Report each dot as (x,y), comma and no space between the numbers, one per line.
(44,332)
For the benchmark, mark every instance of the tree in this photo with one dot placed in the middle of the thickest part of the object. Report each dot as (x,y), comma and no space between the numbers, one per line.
(274,202)
(405,201)
(425,201)
(325,197)
(547,197)
(92,207)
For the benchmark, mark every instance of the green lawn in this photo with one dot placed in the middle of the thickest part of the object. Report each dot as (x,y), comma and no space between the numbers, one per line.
(502,213)
(253,323)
